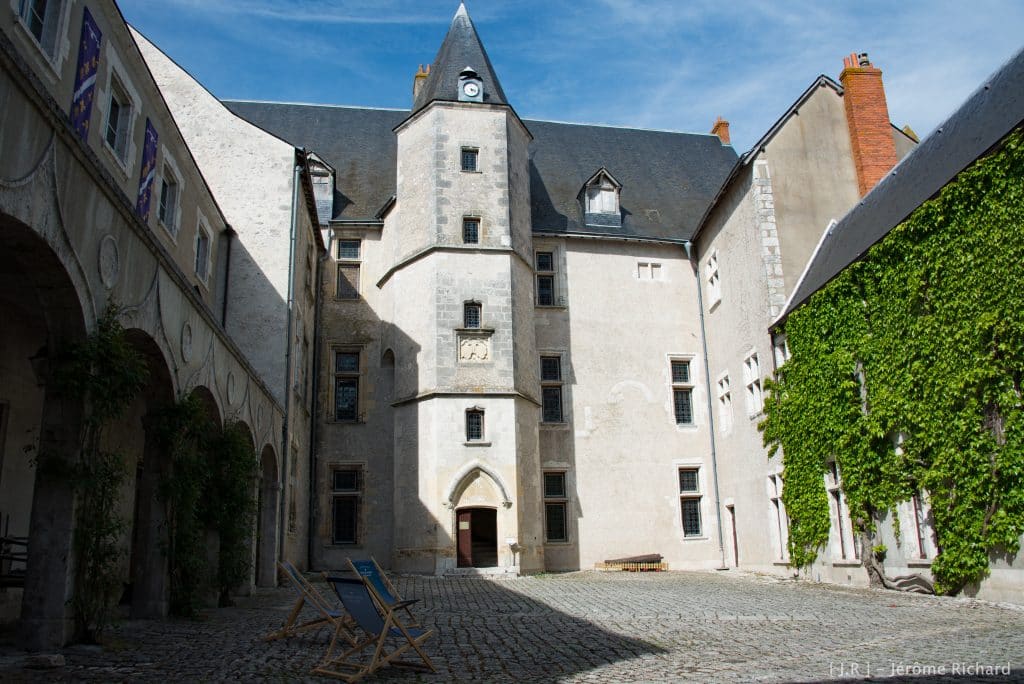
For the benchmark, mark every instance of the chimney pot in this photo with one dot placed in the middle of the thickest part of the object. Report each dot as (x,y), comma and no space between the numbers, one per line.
(862,60)
(721,129)
(418,80)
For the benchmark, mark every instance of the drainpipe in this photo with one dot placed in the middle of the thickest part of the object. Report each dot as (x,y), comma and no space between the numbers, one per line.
(229,234)
(285,451)
(315,411)
(690,254)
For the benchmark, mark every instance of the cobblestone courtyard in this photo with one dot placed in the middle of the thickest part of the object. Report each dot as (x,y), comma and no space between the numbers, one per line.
(588,627)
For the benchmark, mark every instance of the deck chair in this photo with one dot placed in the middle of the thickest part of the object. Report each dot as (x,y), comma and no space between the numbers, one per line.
(327,614)
(379,625)
(381,587)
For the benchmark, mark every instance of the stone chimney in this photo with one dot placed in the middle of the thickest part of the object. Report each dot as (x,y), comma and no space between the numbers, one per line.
(867,116)
(721,129)
(418,80)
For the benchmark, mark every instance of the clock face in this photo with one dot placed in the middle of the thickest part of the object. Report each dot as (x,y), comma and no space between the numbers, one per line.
(471,89)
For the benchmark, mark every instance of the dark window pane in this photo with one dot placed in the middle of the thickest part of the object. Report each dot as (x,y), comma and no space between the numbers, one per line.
(112,120)
(550,368)
(545,261)
(681,371)
(346,398)
(348,281)
(546,290)
(470,231)
(471,316)
(469,158)
(348,249)
(474,425)
(552,405)
(691,517)
(346,520)
(554,514)
(683,406)
(346,480)
(554,485)
(688,481)
(346,362)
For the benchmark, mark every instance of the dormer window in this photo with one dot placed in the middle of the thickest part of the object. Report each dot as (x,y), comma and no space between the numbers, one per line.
(601,200)
(322,176)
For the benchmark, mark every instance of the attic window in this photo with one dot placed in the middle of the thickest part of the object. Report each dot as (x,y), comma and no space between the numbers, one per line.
(323,191)
(602,199)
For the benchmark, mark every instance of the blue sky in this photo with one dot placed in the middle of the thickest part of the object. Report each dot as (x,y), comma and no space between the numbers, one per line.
(663,64)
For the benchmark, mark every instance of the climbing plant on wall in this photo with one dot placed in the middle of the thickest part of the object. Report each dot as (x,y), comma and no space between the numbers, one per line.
(906,370)
(107,373)
(231,505)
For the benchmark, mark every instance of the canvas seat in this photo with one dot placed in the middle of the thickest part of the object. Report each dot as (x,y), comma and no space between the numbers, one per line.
(381,587)
(379,624)
(328,615)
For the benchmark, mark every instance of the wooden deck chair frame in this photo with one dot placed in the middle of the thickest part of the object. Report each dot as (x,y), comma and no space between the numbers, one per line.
(382,600)
(347,665)
(327,615)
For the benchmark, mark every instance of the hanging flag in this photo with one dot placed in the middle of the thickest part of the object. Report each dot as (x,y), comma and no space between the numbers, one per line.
(85,75)
(148,173)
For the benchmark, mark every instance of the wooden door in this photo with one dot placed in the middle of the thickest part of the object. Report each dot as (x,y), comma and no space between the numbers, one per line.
(464,538)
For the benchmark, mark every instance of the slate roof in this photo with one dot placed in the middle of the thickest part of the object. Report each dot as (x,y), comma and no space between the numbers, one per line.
(989,115)
(668,179)
(461,48)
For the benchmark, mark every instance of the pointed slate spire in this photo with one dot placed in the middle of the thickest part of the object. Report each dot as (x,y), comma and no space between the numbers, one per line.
(461,48)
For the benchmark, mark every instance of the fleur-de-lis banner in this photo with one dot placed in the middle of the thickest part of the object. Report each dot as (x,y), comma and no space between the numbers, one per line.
(85,75)
(148,172)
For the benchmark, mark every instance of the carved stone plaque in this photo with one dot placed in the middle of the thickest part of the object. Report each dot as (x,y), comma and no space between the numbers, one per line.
(474,349)
(109,261)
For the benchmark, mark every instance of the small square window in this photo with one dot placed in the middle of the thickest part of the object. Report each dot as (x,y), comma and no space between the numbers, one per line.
(471,315)
(347,362)
(681,371)
(554,485)
(545,261)
(551,368)
(346,480)
(688,480)
(470,157)
(348,250)
(471,231)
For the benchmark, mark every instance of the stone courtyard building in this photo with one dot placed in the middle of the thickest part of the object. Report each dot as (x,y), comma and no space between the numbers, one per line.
(461,341)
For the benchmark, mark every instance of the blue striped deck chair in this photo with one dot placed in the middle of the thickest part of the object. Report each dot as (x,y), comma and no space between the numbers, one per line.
(380,586)
(328,615)
(380,625)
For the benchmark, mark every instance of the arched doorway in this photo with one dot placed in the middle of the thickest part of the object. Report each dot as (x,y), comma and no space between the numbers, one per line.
(266,524)
(476,538)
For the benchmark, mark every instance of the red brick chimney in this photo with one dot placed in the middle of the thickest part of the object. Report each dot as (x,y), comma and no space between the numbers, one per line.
(874,152)
(721,129)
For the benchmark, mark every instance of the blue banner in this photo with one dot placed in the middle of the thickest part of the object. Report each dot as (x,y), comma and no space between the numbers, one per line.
(148,173)
(85,75)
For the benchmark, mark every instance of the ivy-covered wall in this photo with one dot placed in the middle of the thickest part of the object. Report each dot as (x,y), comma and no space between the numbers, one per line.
(919,344)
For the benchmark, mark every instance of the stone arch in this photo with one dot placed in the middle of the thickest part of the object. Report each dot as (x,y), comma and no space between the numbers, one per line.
(266,522)
(146,579)
(466,475)
(44,309)
(208,400)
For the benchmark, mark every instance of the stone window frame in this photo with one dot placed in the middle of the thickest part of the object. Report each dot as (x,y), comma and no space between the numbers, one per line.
(713,277)
(347,376)
(723,385)
(754,384)
(351,492)
(169,167)
(682,386)
(56,24)
(552,387)
(476,435)
(778,516)
(472,315)
(691,499)
(477,225)
(203,230)
(839,517)
(469,159)
(649,271)
(351,264)
(557,500)
(117,77)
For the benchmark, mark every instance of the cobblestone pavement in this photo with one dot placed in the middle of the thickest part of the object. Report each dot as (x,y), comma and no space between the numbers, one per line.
(589,626)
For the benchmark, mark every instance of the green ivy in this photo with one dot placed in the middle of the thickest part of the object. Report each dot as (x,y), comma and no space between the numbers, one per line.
(107,373)
(231,506)
(906,369)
